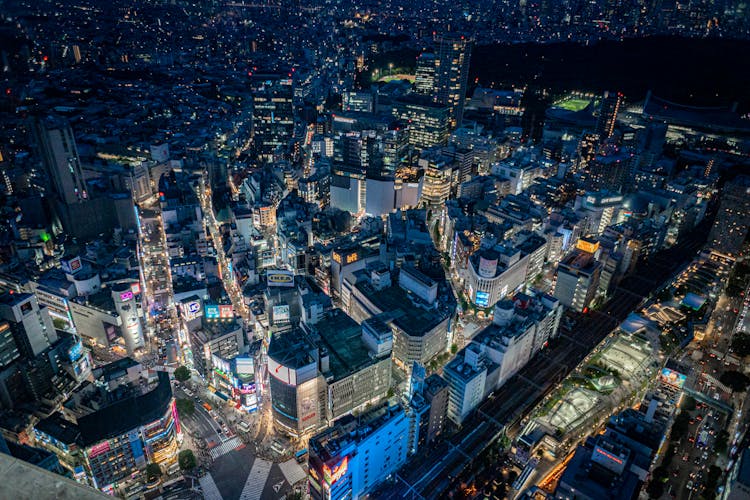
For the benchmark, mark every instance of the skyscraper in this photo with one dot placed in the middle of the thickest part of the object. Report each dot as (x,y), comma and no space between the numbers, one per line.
(424,81)
(273,113)
(605,125)
(57,149)
(453,53)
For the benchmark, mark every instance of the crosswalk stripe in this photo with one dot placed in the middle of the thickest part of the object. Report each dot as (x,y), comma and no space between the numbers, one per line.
(210,490)
(225,447)
(256,480)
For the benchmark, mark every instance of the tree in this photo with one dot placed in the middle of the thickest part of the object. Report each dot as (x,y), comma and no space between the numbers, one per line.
(741,344)
(185,406)
(688,403)
(153,472)
(454,348)
(186,459)
(735,380)
(182,373)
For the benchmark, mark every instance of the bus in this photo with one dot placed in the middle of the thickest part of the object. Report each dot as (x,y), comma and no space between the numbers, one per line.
(702,439)
(301,455)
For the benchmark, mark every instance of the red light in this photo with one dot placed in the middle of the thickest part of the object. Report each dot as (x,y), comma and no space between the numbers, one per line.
(585,310)
(7,91)
(45,58)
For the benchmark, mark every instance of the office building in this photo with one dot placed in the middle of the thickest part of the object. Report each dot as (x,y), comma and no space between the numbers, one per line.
(730,229)
(738,481)
(453,52)
(273,113)
(427,121)
(424,81)
(222,337)
(578,276)
(59,154)
(351,458)
(607,119)
(30,324)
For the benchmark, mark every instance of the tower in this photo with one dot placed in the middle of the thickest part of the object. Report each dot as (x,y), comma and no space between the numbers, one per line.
(451,74)
(605,125)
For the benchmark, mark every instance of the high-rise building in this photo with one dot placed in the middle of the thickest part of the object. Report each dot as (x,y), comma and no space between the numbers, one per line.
(57,149)
(273,113)
(451,73)
(357,453)
(126,307)
(428,121)
(733,220)
(424,81)
(610,107)
(30,324)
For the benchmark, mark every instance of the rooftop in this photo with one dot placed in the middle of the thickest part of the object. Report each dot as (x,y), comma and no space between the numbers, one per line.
(408,311)
(342,337)
(29,481)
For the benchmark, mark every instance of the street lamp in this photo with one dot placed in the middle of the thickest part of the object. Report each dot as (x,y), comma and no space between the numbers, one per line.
(390,69)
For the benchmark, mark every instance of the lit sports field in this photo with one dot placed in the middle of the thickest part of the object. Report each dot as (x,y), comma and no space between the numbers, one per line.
(572,103)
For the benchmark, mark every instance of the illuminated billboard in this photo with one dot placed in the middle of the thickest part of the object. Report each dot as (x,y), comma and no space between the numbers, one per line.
(191,309)
(482,299)
(226,311)
(135,288)
(211,311)
(126,296)
(280,278)
(331,475)
(672,377)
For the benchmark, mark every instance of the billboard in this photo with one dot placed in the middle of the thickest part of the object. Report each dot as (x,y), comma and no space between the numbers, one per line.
(483,299)
(126,296)
(226,311)
(98,449)
(71,266)
(280,277)
(211,311)
(191,309)
(333,474)
(135,288)
(281,313)
(672,377)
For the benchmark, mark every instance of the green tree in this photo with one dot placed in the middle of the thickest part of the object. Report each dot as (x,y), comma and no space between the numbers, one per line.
(186,459)
(454,349)
(741,344)
(153,472)
(735,380)
(185,406)
(688,403)
(182,373)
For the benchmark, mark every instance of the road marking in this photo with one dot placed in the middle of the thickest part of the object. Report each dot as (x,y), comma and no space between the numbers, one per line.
(225,447)
(210,490)
(256,480)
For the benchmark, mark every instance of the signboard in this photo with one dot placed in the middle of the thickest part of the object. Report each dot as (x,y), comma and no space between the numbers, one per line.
(587,246)
(126,296)
(211,311)
(672,377)
(71,266)
(135,288)
(280,278)
(98,449)
(331,475)
(483,299)
(281,313)
(226,311)
(191,309)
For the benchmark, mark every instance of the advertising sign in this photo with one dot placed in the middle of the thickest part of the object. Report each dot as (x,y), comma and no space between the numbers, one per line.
(98,449)
(226,311)
(281,313)
(280,277)
(483,299)
(191,309)
(126,296)
(331,475)
(211,311)
(672,377)
(135,288)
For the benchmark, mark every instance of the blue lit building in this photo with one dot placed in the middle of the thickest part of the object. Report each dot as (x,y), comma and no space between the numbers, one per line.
(348,460)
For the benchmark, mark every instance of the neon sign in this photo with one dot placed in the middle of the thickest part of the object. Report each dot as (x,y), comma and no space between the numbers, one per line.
(331,476)
(125,296)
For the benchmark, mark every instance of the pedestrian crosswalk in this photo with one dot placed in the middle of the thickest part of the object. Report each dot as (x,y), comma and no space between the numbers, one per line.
(256,480)
(210,490)
(225,447)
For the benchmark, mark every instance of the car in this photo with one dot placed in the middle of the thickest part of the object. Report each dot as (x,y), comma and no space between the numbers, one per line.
(218,430)
(689,485)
